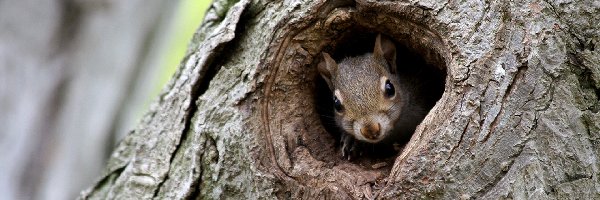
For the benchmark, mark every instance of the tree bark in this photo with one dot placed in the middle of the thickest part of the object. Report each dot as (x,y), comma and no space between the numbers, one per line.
(73,74)
(518,118)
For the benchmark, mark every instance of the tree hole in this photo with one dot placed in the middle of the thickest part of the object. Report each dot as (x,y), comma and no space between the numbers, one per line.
(425,73)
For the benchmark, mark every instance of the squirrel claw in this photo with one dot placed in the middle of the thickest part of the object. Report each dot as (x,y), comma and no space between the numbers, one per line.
(348,146)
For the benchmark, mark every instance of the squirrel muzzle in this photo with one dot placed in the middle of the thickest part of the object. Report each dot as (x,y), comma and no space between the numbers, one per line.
(371,131)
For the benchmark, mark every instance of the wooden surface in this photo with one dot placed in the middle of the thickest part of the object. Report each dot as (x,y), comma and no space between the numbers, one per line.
(518,118)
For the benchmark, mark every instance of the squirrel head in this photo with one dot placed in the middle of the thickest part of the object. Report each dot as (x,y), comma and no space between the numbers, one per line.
(366,91)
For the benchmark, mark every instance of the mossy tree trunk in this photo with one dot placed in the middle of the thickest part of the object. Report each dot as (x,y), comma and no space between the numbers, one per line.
(519,116)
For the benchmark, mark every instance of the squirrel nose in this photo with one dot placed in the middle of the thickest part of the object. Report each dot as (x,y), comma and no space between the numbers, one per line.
(370,131)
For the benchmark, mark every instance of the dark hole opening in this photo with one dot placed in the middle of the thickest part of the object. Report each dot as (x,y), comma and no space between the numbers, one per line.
(427,78)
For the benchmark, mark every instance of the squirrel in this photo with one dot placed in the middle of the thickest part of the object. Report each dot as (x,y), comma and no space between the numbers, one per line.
(372,103)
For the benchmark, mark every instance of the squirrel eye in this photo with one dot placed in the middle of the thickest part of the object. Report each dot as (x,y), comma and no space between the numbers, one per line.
(389,89)
(337,104)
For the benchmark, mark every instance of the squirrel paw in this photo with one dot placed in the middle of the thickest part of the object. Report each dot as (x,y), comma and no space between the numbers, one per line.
(348,146)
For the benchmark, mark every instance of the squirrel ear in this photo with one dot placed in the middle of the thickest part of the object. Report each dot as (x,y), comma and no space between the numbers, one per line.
(386,49)
(327,67)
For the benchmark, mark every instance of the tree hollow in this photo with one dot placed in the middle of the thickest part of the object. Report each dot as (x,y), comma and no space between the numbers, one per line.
(300,135)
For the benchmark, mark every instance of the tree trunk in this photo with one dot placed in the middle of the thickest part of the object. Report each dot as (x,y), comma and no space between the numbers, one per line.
(70,74)
(518,117)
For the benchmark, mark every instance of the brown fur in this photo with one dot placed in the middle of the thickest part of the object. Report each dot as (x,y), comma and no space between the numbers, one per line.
(369,115)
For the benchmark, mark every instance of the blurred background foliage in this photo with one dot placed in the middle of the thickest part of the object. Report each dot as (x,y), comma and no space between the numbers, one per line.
(186,20)
(75,78)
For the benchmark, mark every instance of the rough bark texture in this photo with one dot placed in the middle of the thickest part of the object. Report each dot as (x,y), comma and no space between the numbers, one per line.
(519,117)
(73,75)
